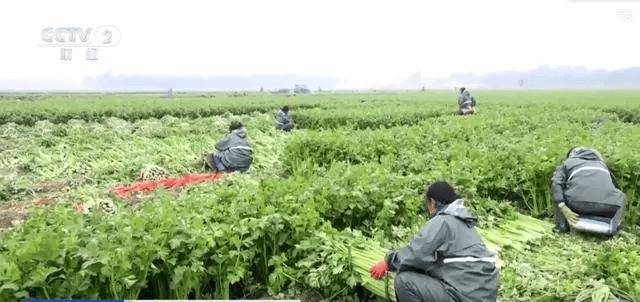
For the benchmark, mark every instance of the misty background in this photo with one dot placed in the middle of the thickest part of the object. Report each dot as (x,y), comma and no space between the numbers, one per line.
(329,44)
(544,77)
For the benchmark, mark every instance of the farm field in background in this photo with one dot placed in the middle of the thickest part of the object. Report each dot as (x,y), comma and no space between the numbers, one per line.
(302,221)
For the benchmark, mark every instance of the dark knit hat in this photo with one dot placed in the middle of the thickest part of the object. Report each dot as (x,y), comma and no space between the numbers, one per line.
(235,125)
(442,192)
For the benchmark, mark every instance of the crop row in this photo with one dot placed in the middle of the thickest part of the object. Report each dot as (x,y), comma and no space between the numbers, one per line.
(238,238)
(61,109)
(208,242)
(501,157)
(366,117)
(340,109)
(626,114)
(88,154)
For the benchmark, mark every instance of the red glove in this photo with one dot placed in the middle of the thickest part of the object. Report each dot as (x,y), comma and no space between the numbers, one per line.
(379,270)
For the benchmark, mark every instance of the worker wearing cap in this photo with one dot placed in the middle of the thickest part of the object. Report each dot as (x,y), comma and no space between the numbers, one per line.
(234,153)
(586,194)
(448,260)
(466,102)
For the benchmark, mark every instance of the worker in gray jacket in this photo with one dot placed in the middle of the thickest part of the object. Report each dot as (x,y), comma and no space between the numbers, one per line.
(283,121)
(586,195)
(466,102)
(448,260)
(234,153)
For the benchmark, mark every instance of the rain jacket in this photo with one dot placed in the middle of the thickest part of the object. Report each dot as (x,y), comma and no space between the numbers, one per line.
(450,249)
(282,119)
(235,151)
(466,100)
(584,177)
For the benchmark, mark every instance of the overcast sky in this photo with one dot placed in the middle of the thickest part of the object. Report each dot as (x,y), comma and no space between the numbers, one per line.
(361,42)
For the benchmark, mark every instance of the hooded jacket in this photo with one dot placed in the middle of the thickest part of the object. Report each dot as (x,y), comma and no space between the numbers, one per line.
(235,151)
(466,100)
(282,119)
(584,177)
(450,249)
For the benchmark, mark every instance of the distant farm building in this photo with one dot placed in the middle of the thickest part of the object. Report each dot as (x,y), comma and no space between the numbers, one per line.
(301,88)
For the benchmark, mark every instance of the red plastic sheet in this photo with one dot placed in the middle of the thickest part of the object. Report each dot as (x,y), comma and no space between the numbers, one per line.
(168,183)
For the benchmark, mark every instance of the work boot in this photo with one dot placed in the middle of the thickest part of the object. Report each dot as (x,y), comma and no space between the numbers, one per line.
(562,226)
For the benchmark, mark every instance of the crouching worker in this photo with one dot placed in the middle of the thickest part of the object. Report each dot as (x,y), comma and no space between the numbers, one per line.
(234,153)
(447,261)
(283,121)
(586,195)
(466,102)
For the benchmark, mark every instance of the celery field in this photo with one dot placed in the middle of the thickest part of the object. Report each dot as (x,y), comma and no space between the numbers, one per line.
(318,206)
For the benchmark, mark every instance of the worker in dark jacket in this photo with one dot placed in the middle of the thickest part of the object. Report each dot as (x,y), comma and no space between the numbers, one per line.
(466,102)
(283,121)
(234,153)
(447,261)
(586,195)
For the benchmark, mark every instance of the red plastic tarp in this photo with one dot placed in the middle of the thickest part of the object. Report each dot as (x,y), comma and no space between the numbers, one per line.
(167,183)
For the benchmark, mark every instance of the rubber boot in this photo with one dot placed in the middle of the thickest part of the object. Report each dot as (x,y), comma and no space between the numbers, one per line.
(562,226)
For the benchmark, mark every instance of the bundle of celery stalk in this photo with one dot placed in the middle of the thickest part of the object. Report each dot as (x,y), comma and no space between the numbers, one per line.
(361,260)
(514,234)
